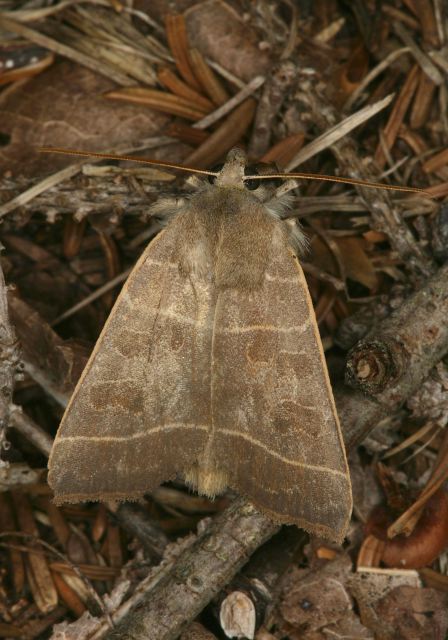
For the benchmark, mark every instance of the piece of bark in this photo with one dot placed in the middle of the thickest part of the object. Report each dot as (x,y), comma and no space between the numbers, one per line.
(82,195)
(356,326)
(439,233)
(16,475)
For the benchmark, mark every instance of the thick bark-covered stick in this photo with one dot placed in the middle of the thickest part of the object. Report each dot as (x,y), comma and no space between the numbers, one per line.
(390,363)
(199,574)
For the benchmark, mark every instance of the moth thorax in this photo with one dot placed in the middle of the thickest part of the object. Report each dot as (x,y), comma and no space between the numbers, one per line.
(207,481)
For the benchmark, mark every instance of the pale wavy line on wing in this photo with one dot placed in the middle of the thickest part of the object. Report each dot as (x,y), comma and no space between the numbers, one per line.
(232,330)
(179,425)
(175,265)
(136,435)
(273,278)
(299,328)
(274,454)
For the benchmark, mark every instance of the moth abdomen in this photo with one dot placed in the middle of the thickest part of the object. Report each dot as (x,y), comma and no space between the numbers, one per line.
(207,480)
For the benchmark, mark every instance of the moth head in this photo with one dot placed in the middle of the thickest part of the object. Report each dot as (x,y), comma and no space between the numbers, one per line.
(232,172)
(235,171)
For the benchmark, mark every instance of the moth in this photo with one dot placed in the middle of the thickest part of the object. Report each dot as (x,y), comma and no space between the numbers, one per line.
(211,367)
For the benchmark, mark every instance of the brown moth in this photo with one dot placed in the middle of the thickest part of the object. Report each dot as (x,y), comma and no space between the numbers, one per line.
(210,366)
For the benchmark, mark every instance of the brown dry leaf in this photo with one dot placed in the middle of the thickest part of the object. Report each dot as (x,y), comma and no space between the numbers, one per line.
(365,487)
(352,72)
(68,595)
(159,101)
(423,10)
(36,564)
(44,351)
(397,114)
(414,613)
(228,133)
(172,82)
(208,79)
(79,548)
(348,627)
(219,33)
(356,263)
(370,588)
(285,150)
(434,579)
(176,33)
(64,107)
(436,162)
(312,600)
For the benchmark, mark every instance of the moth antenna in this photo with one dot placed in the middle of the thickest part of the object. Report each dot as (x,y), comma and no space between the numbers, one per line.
(112,156)
(205,172)
(324,178)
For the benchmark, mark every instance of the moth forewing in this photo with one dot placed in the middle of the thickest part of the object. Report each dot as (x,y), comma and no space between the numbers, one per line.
(211,366)
(280,428)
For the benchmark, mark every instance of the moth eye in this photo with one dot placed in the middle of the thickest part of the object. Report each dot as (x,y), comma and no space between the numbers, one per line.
(216,168)
(251,170)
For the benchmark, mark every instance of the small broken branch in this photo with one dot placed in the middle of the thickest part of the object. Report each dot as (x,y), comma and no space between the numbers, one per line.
(9,358)
(272,97)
